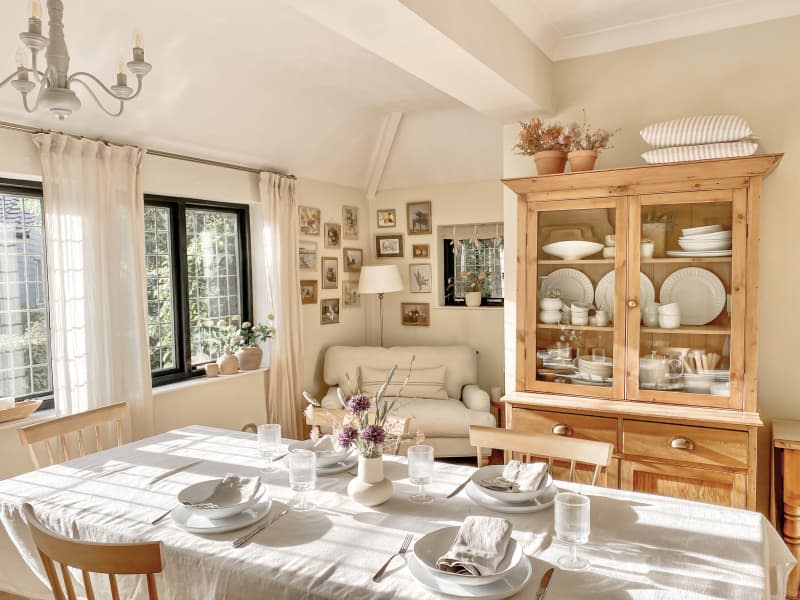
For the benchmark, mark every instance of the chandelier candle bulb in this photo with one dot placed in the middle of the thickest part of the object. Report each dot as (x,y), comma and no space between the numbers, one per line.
(35,22)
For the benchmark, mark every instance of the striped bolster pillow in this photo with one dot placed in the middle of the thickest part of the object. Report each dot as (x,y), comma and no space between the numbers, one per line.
(700,152)
(690,131)
(422,383)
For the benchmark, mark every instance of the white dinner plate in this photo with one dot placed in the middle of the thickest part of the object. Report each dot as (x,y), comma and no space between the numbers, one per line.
(698,253)
(700,294)
(573,285)
(495,471)
(604,295)
(476,494)
(516,580)
(195,523)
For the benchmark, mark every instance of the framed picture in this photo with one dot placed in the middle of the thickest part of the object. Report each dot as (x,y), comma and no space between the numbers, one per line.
(415,314)
(387,217)
(333,235)
(418,218)
(421,250)
(350,295)
(350,222)
(328,311)
(353,259)
(308,291)
(419,278)
(307,256)
(389,246)
(330,272)
(309,220)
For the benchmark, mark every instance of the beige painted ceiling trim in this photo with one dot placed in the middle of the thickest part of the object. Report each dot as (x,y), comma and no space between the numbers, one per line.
(383,149)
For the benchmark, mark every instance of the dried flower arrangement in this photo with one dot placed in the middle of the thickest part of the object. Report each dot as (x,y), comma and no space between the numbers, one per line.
(585,138)
(536,136)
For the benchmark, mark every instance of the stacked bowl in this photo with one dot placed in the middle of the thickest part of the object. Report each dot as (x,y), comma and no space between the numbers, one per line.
(596,368)
(709,238)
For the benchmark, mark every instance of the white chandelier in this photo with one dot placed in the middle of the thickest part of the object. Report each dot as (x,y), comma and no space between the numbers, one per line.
(55,83)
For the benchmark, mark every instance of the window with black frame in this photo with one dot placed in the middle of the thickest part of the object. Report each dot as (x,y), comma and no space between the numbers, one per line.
(25,368)
(198,282)
(472,261)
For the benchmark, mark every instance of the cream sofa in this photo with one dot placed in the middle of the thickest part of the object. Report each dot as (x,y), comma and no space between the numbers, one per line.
(445,422)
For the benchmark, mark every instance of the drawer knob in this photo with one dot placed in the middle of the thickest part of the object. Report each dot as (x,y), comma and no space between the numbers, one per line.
(682,443)
(632,304)
(562,429)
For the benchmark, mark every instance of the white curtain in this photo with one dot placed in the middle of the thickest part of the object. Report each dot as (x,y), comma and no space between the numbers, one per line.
(285,388)
(94,231)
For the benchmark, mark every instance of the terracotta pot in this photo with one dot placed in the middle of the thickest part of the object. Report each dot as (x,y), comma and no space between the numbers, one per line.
(582,160)
(249,358)
(550,162)
(472,298)
(228,364)
(370,487)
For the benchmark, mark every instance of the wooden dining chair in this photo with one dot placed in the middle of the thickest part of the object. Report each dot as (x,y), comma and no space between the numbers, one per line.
(549,446)
(396,427)
(143,558)
(58,429)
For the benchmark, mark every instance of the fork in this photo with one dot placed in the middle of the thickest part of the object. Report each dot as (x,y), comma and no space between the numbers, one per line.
(403,549)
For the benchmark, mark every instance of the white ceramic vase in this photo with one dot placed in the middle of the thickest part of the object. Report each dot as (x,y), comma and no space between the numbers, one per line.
(472,298)
(370,487)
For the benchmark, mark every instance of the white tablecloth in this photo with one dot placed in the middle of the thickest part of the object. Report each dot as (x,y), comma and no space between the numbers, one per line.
(641,546)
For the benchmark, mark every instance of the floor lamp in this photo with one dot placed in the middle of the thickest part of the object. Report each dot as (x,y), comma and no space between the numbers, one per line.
(380,279)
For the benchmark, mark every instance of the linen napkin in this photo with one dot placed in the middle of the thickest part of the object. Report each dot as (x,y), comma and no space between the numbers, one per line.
(527,476)
(479,547)
(233,489)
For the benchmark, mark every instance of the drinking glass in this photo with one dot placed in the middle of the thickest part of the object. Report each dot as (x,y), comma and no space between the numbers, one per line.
(420,471)
(598,355)
(302,478)
(269,442)
(572,527)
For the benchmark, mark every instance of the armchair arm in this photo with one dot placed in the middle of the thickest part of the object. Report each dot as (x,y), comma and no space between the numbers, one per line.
(474,398)
(331,400)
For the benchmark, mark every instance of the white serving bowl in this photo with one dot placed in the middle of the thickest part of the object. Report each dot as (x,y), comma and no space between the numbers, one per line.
(572,250)
(716,235)
(704,246)
(325,458)
(231,504)
(432,546)
(609,252)
(697,383)
(550,303)
(550,316)
(493,471)
(669,321)
(701,230)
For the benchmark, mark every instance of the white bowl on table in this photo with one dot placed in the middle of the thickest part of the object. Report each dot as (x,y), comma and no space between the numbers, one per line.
(494,471)
(432,546)
(325,458)
(572,249)
(230,504)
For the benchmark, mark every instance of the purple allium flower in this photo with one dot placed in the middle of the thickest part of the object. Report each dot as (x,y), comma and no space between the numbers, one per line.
(358,403)
(347,436)
(374,434)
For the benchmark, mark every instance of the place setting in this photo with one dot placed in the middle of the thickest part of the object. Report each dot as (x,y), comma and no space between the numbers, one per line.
(516,487)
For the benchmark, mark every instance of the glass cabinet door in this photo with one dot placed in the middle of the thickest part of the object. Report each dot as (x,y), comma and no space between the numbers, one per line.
(684,343)
(575,311)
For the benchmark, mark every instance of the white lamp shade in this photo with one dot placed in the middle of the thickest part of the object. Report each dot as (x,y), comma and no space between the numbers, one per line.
(380,279)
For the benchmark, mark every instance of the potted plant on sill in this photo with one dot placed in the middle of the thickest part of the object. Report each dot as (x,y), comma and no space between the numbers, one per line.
(547,143)
(586,143)
(244,341)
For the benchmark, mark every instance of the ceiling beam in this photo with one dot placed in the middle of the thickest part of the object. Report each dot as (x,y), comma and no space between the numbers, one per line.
(468,50)
(380,155)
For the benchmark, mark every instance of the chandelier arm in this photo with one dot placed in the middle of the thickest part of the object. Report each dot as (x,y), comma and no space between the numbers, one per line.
(37,74)
(9,78)
(97,100)
(35,106)
(76,77)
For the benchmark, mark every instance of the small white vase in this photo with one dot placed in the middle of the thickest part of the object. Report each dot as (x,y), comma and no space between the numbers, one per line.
(472,298)
(370,487)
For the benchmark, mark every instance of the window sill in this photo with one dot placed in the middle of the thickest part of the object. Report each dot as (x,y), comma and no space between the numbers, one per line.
(38,416)
(188,383)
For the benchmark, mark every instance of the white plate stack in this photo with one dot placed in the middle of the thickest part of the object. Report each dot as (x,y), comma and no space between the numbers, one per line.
(708,240)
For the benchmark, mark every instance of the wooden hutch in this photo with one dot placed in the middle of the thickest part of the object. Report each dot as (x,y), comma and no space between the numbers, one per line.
(672,436)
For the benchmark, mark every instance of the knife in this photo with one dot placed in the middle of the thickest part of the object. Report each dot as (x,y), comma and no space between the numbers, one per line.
(166,474)
(459,488)
(543,584)
(241,541)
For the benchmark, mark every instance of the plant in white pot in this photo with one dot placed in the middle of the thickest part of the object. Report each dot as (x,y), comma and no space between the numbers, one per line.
(476,286)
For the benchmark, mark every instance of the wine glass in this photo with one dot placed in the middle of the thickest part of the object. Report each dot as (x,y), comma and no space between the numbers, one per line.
(420,471)
(269,442)
(302,478)
(572,527)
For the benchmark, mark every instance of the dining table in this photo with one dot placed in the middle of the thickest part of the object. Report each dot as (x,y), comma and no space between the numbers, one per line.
(640,547)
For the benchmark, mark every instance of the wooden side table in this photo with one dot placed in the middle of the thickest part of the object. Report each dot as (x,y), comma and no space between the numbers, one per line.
(785,496)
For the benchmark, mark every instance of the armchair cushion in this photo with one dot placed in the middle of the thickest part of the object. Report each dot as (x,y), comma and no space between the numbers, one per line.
(422,383)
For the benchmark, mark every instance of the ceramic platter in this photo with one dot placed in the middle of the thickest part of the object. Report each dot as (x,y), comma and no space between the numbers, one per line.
(195,523)
(698,253)
(573,285)
(541,502)
(515,581)
(700,294)
(604,295)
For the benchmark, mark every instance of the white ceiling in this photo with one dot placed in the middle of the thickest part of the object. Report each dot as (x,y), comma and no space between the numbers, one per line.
(582,27)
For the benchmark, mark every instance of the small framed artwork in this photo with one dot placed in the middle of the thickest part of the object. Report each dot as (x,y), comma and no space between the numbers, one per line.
(418,218)
(389,246)
(419,278)
(308,291)
(307,256)
(350,295)
(333,235)
(329,311)
(415,314)
(309,220)
(350,222)
(387,217)
(421,250)
(330,272)
(353,259)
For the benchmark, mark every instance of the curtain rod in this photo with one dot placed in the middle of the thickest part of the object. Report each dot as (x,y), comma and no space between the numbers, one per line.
(151,151)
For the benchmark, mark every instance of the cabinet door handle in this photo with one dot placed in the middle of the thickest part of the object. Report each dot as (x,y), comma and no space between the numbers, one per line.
(562,429)
(682,443)
(632,304)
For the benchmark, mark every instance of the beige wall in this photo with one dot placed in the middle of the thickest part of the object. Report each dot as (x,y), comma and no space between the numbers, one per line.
(749,71)
(482,328)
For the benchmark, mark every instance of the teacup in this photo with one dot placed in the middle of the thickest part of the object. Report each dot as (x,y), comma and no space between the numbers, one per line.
(669,309)
(601,318)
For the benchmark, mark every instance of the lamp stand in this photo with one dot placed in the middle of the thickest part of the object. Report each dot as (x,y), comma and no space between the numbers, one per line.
(380,310)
